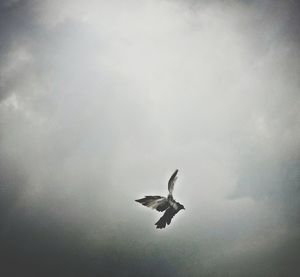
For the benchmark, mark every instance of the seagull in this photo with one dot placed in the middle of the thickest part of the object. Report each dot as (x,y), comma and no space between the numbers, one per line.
(167,204)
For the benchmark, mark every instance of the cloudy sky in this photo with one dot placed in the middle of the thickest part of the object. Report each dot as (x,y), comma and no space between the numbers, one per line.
(101,100)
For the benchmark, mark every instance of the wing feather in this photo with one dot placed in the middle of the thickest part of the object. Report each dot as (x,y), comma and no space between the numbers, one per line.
(172,181)
(166,218)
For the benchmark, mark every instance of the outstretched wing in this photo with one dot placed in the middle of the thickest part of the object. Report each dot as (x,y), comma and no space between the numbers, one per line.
(166,218)
(158,203)
(172,181)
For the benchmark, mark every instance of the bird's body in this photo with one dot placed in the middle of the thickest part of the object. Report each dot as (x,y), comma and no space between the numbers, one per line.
(167,204)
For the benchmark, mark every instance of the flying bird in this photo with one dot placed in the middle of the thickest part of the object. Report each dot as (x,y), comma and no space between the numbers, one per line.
(167,204)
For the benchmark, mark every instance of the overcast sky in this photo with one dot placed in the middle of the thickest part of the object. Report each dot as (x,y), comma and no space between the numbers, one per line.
(100,101)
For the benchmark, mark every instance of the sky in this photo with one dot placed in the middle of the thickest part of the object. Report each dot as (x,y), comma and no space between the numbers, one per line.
(100,101)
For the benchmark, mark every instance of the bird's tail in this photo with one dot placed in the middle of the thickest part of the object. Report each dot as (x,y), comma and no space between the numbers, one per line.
(155,202)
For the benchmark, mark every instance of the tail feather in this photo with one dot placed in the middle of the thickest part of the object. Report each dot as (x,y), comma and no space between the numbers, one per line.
(155,202)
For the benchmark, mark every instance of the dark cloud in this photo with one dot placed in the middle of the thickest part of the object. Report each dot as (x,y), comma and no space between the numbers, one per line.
(99,102)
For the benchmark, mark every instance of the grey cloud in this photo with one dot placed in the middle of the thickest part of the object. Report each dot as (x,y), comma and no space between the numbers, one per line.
(101,101)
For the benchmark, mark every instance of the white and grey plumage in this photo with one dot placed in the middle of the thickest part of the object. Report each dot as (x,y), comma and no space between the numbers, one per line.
(167,204)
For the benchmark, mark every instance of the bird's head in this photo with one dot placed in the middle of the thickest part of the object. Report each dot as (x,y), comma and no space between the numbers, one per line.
(181,207)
